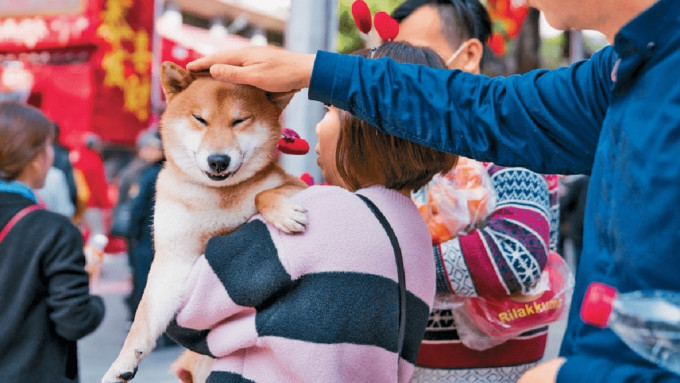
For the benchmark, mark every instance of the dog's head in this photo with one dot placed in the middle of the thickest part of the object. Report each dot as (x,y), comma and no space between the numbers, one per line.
(218,133)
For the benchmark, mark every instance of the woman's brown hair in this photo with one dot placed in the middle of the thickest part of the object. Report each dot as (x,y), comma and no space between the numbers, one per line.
(24,132)
(364,154)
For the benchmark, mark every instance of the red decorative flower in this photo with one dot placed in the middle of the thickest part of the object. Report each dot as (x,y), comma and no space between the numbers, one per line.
(387,27)
(362,15)
(497,43)
(507,17)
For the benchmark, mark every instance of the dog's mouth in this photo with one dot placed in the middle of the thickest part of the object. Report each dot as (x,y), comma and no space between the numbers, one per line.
(219,177)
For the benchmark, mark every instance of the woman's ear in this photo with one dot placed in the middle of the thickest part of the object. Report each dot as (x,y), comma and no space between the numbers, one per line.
(471,56)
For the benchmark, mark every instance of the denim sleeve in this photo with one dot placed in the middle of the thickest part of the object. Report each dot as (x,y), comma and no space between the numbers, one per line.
(594,369)
(547,121)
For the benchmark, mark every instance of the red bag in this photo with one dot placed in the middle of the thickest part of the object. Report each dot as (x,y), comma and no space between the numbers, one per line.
(484,322)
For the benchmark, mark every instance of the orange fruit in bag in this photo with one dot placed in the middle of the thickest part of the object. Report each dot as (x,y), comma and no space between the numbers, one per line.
(438,230)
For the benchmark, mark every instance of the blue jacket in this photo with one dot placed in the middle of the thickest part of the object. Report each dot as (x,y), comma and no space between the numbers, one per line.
(574,120)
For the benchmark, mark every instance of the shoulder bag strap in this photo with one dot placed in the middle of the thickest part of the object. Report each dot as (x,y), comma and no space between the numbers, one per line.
(400,272)
(18,216)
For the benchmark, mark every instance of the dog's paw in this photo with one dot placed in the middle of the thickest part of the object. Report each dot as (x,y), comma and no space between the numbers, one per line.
(123,369)
(121,377)
(287,216)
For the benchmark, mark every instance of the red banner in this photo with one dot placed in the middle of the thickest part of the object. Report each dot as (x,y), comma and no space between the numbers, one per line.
(122,71)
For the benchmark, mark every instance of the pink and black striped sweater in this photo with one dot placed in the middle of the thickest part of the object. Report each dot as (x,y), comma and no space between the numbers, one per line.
(316,307)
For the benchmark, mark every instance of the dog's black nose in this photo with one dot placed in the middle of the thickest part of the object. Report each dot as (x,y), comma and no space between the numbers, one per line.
(218,162)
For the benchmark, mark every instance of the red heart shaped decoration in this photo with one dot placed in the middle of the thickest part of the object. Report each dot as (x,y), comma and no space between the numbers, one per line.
(291,143)
(297,146)
(362,15)
(387,27)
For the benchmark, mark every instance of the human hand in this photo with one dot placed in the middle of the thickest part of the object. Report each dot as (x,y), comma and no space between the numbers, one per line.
(268,68)
(543,373)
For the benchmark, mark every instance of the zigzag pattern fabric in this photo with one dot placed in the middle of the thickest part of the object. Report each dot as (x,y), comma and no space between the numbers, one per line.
(507,254)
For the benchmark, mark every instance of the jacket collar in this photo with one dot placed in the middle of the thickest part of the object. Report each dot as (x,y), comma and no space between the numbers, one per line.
(647,33)
(18,188)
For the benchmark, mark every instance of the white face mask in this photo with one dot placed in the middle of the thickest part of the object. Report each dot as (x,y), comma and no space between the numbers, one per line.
(455,54)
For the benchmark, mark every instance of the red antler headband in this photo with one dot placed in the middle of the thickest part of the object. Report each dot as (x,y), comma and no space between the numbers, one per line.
(385,25)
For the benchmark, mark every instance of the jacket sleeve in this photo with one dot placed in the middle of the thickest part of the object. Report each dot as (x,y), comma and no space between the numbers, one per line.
(508,254)
(590,368)
(238,273)
(74,312)
(547,121)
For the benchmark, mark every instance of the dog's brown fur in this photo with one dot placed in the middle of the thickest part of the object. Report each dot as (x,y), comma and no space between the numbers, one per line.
(195,201)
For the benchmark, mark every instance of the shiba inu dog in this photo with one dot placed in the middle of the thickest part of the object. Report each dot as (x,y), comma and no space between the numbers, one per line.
(220,141)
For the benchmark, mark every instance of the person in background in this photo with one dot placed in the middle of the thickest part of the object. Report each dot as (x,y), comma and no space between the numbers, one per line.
(614,117)
(469,265)
(147,147)
(315,307)
(63,163)
(139,234)
(44,288)
(88,163)
(142,194)
(60,192)
(55,193)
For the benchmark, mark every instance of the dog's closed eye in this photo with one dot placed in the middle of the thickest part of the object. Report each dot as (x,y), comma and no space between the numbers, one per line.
(200,119)
(239,121)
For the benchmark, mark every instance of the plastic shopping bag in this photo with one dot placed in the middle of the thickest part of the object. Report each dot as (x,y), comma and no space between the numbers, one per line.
(455,203)
(484,322)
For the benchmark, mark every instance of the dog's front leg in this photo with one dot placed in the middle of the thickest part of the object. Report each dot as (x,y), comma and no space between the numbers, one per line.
(160,301)
(278,209)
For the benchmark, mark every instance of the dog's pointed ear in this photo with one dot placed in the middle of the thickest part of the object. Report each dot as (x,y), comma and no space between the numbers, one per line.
(281,100)
(174,79)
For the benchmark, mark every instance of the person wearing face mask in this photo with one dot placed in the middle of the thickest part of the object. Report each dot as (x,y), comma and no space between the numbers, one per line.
(44,287)
(456,29)
(468,264)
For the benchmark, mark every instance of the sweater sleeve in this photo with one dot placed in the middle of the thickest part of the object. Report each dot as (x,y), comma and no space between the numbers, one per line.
(74,312)
(508,254)
(548,121)
(239,272)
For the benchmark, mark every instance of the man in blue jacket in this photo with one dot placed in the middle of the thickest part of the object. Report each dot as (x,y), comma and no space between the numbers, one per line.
(615,117)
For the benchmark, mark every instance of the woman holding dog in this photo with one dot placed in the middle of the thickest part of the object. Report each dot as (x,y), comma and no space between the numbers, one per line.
(329,305)
(44,288)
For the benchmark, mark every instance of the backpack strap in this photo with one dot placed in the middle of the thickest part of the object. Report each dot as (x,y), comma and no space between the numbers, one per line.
(400,273)
(18,216)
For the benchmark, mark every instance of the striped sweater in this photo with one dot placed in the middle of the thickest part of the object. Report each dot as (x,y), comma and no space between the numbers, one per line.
(505,256)
(315,307)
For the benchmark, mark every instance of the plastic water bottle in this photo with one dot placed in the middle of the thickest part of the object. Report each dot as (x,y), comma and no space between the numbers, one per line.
(647,321)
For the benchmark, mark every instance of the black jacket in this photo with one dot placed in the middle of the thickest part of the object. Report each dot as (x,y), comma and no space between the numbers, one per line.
(44,292)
